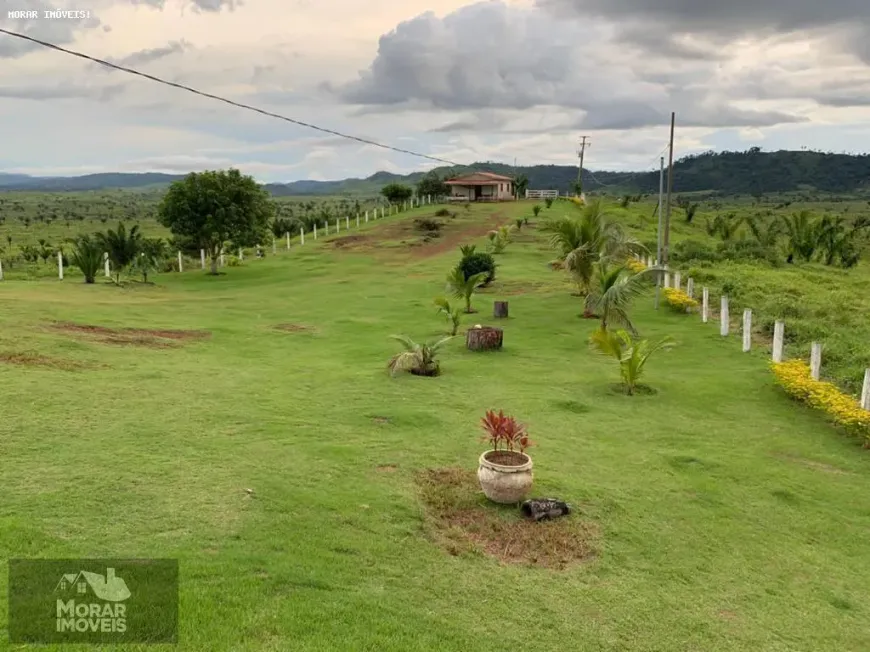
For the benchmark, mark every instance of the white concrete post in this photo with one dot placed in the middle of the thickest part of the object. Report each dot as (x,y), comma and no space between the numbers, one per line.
(382,211)
(337,225)
(690,287)
(649,261)
(315,232)
(778,340)
(723,317)
(301,236)
(288,238)
(180,264)
(106,268)
(678,281)
(1,270)
(367,217)
(747,330)
(60,265)
(326,227)
(241,254)
(667,279)
(346,223)
(815,360)
(357,220)
(202,257)
(274,247)
(223,258)
(865,392)
(705,305)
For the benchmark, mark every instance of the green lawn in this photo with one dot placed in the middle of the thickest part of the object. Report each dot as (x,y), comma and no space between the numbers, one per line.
(729,518)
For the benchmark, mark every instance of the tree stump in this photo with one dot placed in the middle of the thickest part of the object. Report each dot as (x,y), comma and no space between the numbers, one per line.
(484,338)
(500,309)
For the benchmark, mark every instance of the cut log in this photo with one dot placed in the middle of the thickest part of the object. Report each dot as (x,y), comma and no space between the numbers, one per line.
(538,509)
(500,309)
(484,338)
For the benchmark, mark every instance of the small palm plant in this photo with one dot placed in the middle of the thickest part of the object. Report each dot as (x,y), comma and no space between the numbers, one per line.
(87,255)
(536,209)
(453,314)
(518,223)
(463,288)
(500,238)
(122,247)
(611,292)
(153,250)
(631,354)
(467,250)
(418,359)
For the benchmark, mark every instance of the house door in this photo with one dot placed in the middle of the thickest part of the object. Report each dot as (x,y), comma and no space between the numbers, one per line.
(478,192)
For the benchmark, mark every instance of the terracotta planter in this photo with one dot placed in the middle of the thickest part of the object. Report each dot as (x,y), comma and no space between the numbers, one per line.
(505,477)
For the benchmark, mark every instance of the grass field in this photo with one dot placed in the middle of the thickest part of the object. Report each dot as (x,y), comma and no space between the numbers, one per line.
(721,515)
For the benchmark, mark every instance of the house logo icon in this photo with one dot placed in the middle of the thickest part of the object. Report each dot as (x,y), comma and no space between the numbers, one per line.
(108,587)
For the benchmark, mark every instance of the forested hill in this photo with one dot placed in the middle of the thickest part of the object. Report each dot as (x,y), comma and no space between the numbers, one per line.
(744,173)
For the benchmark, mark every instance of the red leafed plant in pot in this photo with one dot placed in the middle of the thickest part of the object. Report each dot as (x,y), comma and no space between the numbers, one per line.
(505,471)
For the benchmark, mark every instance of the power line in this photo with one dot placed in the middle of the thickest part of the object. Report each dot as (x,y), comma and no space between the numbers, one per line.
(300,123)
(624,181)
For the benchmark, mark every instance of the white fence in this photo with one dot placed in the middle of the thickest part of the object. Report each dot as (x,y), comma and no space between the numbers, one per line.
(674,280)
(542,194)
(414,202)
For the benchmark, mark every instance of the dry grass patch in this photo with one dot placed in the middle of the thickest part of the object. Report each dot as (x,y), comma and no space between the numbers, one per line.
(294,328)
(31,359)
(461,520)
(141,337)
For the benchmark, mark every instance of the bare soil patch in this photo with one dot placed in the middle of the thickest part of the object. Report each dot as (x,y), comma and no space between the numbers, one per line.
(461,520)
(349,241)
(386,468)
(294,328)
(31,359)
(812,464)
(143,337)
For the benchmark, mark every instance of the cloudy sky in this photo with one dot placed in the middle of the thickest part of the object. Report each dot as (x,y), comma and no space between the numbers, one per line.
(497,80)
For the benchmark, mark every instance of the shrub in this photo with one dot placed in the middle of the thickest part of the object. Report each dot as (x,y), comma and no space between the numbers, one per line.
(795,378)
(88,257)
(688,251)
(428,225)
(419,359)
(536,209)
(548,202)
(631,354)
(476,263)
(505,432)
(442,212)
(635,266)
(679,301)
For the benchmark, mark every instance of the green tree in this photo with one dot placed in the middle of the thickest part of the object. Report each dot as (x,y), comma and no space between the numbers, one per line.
(632,355)
(122,246)
(396,193)
(521,184)
(432,184)
(215,208)
(463,288)
(152,252)
(611,292)
(87,255)
(584,241)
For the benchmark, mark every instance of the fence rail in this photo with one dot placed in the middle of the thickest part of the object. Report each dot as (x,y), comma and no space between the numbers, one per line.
(542,194)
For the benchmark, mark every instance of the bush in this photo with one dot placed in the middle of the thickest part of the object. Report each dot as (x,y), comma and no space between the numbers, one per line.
(442,212)
(428,225)
(690,250)
(679,301)
(635,266)
(748,251)
(795,378)
(477,263)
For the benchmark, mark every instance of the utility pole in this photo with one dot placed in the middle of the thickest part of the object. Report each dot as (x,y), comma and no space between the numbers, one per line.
(659,234)
(667,235)
(581,153)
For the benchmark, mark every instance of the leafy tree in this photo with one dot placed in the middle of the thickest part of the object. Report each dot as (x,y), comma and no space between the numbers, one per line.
(521,184)
(801,230)
(419,359)
(152,252)
(453,314)
(584,241)
(463,288)
(215,208)
(122,246)
(87,255)
(725,226)
(632,355)
(612,291)
(281,226)
(396,193)
(432,184)
(767,234)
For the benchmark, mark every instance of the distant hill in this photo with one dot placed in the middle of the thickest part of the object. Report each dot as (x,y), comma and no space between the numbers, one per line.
(749,172)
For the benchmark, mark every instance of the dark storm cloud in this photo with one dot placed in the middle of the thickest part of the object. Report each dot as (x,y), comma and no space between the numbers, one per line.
(492,56)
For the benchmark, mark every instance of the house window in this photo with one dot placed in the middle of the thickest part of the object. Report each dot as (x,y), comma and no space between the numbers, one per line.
(82,587)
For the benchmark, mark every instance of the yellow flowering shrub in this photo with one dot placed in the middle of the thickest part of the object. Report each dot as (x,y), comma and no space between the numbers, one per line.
(635,266)
(678,300)
(577,201)
(795,378)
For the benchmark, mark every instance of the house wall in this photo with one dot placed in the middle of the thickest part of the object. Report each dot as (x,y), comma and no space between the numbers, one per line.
(493,192)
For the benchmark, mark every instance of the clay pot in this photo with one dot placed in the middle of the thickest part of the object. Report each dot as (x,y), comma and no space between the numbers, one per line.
(505,476)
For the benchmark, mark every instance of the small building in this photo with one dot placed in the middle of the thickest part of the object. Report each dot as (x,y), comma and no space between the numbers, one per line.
(481,186)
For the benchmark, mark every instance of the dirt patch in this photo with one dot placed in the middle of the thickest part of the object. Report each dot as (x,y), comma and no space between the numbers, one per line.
(386,468)
(293,328)
(349,241)
(462,520)
(381,420)
(143,337)
(812,464)
(30,359)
